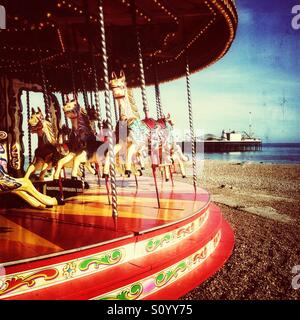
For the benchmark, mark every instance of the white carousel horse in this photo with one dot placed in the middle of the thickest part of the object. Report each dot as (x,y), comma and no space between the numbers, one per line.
(170,148)
(160,132)
(138,131)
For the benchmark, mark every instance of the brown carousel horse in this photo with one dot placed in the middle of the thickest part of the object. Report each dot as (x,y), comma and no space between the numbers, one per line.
(82,144)
(93,116)
(46,154)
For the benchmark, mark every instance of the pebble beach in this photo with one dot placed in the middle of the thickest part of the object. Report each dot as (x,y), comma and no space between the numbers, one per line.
(262,204)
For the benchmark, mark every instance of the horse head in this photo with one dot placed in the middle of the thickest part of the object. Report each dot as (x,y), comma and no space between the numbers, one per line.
(166,119)
(71,109)
(92,113)
(36,120)
(118,85)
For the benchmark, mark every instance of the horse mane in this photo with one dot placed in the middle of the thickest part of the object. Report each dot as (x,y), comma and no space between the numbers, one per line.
(132,103)
(49,132)
(84,124)
(53,119)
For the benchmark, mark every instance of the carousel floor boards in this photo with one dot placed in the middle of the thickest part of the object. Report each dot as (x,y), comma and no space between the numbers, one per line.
(78,251)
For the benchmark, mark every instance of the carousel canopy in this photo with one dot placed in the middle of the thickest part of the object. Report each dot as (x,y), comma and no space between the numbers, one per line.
(64,36)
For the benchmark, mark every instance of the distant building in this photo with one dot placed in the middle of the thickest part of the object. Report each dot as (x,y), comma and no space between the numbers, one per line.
(231,136)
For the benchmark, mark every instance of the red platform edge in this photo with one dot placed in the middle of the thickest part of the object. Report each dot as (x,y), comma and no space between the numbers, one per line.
(100,283)
(195,278)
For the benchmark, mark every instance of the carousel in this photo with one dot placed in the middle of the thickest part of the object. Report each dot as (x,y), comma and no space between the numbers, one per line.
(89,207)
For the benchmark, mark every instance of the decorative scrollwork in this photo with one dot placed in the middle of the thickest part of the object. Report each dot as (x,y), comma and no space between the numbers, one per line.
(17,282)
(3,135)
(153,244)
(166,276)
(217,239)
(69,270)
(131,293)
(109,258)
(15,157)
(7,183)
(200,256)
(186,230)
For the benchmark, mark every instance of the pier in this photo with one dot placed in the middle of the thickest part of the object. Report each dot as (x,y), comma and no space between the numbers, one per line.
(224,146)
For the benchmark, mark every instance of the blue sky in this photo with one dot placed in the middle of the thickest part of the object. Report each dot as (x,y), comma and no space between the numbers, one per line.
(261,68)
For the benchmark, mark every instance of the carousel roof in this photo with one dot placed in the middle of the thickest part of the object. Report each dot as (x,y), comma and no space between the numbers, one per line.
(65,35)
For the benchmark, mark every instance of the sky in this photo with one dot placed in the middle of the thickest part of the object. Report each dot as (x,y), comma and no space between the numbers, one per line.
(261,70)
(259,75)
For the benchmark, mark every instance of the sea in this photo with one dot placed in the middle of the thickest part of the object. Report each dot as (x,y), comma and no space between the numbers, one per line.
(281,153)
(284,153)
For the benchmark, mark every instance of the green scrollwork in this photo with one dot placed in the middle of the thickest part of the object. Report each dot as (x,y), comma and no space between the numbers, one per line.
(108,259)
(153,244)
(132,293)
(165,276)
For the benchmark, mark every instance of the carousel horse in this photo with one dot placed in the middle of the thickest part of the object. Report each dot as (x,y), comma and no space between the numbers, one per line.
(171,151)
(46,154)
(93,116)
(23,188)
(81,143)
(140,132)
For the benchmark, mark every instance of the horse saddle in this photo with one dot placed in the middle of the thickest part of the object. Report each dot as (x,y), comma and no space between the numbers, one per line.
(162,123)
(7,183)
(150,123)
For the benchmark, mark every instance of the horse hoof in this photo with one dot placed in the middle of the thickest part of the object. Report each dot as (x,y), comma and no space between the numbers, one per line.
(128,173)
(60,201)
(167,180)
(183,177)
(140,173)
(142,168)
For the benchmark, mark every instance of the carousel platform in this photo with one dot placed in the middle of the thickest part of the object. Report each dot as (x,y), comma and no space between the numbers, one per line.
(78,251)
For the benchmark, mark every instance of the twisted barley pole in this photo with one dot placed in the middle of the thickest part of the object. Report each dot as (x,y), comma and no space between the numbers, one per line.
(84,93)
(108,112)
(29,133)
(64,103)
(45,92)
(140,60)
(142,74)
(71,65)
(96,93)
(143,89)
(191,123)
(157,93)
